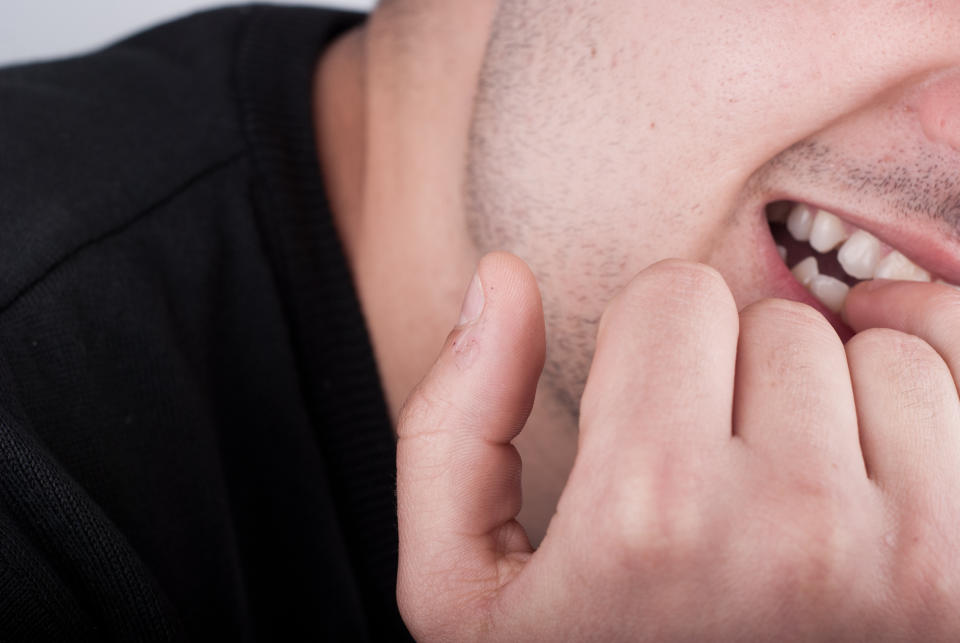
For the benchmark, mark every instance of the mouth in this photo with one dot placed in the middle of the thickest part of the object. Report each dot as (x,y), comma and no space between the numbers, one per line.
(827,255)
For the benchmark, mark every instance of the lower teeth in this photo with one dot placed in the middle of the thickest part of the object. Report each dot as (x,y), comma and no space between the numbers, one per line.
(829,291)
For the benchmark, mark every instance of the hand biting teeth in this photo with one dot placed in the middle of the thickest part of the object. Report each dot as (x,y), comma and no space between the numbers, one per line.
(828,255)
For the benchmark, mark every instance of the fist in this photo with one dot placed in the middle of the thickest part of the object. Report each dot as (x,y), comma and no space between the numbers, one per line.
(739,476)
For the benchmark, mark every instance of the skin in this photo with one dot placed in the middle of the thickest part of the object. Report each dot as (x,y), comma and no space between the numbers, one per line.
(737,472)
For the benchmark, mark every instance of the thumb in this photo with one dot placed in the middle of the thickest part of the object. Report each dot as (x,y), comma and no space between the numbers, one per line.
(458,476)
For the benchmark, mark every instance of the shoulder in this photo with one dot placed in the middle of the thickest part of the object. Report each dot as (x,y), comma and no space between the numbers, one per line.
(89,142)
(164,94)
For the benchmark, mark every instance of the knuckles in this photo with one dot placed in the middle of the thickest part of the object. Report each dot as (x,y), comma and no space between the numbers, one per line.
(916,371)
(677,512)
(424,411)
(809,540)
(670,288)
(791,343)
(888,347)
(417,411)
(653,516)
(789,318)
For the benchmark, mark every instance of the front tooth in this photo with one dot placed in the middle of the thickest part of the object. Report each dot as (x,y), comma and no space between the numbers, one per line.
(800,222)
(831,292)
(896,266)
(860,255)
(806,270)
(827,232)
(782,252)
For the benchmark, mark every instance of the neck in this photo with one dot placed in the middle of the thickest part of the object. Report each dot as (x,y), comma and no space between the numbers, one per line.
(393,104)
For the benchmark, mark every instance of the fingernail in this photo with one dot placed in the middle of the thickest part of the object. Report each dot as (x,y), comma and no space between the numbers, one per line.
(472,302)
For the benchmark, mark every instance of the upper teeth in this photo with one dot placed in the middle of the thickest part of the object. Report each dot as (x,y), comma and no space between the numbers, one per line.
(800,222)
(827,232)
(861,255)
(896,266)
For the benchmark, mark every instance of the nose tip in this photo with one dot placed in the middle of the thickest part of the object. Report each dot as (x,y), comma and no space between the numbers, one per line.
(938,108)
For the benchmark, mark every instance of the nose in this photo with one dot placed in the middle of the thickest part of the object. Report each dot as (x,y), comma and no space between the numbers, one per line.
(938,108)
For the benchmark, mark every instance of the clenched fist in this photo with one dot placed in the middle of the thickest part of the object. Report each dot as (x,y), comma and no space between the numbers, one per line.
(739,476)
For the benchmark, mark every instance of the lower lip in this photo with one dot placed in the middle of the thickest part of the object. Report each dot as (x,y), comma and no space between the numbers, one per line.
(787,287)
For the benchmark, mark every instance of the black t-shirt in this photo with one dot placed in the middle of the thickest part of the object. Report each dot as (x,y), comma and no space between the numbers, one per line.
(193,438)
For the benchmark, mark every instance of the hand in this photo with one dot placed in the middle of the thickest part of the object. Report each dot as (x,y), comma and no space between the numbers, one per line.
(738,477)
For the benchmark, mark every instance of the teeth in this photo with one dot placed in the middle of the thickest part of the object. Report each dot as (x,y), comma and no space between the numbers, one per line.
(827,232)
(896,266)
(800,222)
(860,255)
(831,292)
(806,270)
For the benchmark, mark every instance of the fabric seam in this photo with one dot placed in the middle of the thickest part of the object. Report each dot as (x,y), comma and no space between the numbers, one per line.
(122,226)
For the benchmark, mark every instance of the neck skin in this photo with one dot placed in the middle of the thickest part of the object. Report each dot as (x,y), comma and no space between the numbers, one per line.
(393,103)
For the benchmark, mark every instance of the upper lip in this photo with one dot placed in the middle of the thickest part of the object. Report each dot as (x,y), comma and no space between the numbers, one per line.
(919,240)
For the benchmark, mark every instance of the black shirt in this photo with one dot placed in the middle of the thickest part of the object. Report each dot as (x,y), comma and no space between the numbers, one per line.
(193,438)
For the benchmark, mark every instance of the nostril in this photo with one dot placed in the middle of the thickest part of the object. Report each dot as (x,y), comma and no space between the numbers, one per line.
(938,107)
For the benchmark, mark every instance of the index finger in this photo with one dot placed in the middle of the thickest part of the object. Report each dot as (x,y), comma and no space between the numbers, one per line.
(663,370)
(930,311)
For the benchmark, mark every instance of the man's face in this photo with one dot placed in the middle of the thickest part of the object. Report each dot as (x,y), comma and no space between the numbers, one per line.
(611,134)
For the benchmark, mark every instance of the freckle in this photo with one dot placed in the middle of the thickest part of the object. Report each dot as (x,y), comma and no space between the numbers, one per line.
(593,52)
(653,125)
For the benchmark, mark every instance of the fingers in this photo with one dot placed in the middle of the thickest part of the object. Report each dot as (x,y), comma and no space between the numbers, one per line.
(904,365)
(664,363)
(794,400)
(908,412)
(928,310)
(458,477)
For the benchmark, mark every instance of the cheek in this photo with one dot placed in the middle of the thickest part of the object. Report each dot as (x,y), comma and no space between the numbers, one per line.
(580,269)
(582,265)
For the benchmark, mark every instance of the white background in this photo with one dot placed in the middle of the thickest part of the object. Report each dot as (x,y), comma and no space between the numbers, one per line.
(36,29)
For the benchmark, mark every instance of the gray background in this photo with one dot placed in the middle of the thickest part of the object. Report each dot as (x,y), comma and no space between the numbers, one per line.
(37,29)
